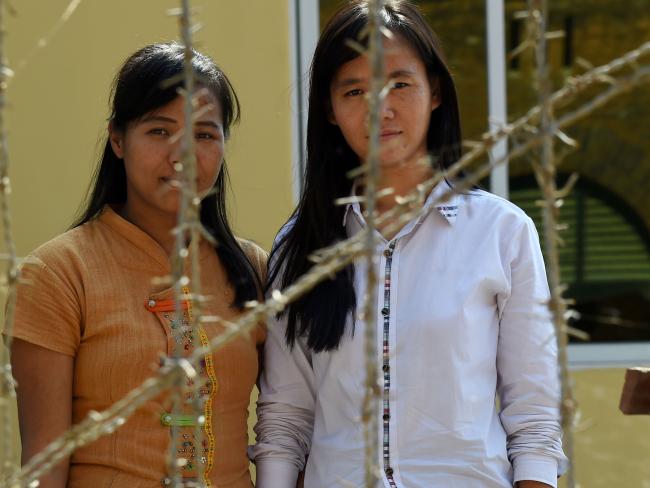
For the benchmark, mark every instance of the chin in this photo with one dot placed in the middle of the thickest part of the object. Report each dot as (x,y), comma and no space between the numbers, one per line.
(171,206)
(391,162)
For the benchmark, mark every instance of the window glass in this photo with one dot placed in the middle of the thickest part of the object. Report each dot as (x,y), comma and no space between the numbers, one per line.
(606,255)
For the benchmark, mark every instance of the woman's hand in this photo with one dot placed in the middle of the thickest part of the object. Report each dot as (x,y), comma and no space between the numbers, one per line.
(44,393)
(532,484)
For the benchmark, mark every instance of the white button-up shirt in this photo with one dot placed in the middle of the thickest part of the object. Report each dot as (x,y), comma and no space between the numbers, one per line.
(467,323)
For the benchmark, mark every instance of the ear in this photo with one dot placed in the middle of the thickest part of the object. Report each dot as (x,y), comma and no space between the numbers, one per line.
(116,138)
(435,101)
(330,113)
(435,94)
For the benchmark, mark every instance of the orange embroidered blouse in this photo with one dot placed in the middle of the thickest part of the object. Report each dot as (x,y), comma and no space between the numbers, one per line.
(91,293)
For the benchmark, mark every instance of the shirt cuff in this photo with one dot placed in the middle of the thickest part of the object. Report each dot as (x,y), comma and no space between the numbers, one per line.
(275,473)
(535,467)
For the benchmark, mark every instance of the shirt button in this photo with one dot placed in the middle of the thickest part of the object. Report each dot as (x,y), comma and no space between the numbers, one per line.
(388,252)
(389,471)
(386,416)
(385,311)
(166,482)
(152,303)
(385,368)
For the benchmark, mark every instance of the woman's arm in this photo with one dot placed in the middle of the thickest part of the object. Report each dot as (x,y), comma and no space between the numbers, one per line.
(527,368)
(532,484)
(44,393)
(284,411)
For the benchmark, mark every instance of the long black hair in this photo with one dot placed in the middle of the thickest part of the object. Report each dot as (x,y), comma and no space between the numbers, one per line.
(150,78)
(316,222)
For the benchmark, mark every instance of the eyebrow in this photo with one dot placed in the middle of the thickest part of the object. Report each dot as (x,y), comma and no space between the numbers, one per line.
(394,74)
(161,118)
(207,123)
(348,82)
(401,72)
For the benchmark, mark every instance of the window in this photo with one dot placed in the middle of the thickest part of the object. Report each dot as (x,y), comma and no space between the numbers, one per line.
(605,259)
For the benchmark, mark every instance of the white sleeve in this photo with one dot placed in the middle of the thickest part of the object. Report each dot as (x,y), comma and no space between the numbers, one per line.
(285,410)
(528,378)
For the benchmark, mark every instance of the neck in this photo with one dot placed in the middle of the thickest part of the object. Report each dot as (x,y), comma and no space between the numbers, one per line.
(157,225)
(402,178)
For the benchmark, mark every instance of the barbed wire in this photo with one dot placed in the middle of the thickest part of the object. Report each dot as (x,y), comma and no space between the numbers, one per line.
(369,409)
(188,235)
(11,273)
(329,260)
(44,41)
(545,172)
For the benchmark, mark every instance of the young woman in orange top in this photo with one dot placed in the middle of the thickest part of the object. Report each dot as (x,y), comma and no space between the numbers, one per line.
(93,321)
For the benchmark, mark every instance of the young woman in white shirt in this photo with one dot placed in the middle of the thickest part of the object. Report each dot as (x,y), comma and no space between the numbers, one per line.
(461,309)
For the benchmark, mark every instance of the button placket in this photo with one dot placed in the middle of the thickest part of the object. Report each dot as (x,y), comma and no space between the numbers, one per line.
(386,314)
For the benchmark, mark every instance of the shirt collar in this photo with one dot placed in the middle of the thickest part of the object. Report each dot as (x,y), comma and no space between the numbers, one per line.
(143,241)
(447,209)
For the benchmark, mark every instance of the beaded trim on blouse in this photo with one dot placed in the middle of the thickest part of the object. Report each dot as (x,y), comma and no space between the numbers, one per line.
(186,440)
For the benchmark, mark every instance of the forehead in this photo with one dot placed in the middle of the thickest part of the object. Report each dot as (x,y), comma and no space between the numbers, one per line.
(399,55)
(205,102)
(205,96)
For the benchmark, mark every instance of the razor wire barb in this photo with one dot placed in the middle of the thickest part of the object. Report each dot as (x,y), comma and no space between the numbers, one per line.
(328,261)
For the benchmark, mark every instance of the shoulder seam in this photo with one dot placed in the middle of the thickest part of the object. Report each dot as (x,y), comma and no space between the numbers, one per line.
(492,196)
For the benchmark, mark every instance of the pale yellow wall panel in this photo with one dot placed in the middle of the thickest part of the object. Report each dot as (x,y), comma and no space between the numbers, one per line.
(611,449)
(254,51)
(59,105)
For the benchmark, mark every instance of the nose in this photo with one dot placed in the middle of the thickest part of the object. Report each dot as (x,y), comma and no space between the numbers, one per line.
(175,151)
(386,110)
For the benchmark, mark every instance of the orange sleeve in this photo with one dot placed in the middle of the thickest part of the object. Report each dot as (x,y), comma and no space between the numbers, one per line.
(48,309)
(257,257)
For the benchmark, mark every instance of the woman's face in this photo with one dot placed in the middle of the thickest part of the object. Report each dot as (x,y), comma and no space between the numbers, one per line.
(151,146)
(405,112)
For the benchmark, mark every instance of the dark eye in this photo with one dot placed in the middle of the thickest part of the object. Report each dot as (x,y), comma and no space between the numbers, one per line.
(208,135)
(400,84)
(158,131)
(354,93)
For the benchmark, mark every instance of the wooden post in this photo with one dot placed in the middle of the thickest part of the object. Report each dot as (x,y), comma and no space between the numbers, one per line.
(635,397)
